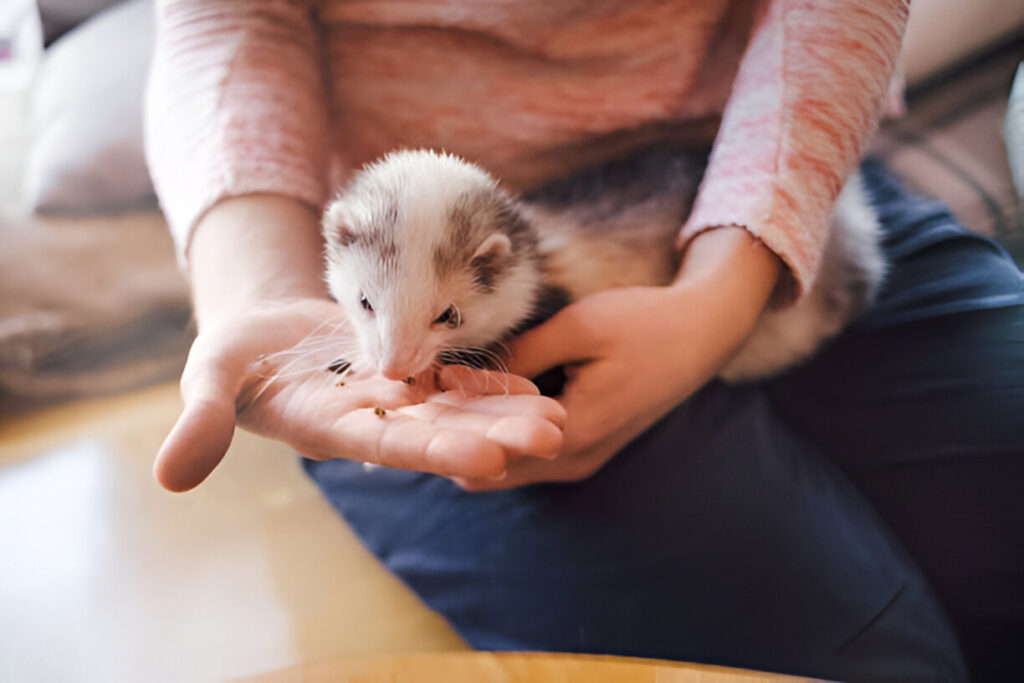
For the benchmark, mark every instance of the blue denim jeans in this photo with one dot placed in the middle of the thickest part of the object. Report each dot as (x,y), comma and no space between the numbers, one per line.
(858,518)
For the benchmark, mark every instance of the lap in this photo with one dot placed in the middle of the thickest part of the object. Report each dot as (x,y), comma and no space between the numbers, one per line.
(717,536)
(920,403)
(935,369)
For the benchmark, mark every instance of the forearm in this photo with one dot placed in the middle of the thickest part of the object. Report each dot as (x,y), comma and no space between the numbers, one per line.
(736,273)
(252,249)
(804,103)
(235,108)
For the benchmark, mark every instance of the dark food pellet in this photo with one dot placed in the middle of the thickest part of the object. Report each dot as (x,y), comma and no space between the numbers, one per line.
(379,412)
(339,366)
(410,380)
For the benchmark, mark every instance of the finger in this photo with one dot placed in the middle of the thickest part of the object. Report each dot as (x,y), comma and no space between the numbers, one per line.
(596,411)
(394,439)
(476,381)
(568,467)
(528,471)
(580,455)
(200,437)
(540,406)
(563,339)
(601,419)
(519,435)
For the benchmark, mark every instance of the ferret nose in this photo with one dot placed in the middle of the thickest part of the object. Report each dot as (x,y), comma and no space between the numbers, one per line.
(394,369)
(393,372)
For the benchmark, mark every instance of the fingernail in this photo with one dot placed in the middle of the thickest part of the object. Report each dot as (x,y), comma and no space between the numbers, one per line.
(503,475)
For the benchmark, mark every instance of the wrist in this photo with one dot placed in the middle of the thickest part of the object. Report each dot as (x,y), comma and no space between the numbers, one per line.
(254,249)
(733,268)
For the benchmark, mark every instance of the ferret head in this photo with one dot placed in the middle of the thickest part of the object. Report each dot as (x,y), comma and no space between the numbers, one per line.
(426,254)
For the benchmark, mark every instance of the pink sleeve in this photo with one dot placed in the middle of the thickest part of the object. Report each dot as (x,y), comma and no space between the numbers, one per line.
(809,92)
(235,105)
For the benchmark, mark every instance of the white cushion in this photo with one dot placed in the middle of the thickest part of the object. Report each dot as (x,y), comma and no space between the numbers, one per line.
(86,153)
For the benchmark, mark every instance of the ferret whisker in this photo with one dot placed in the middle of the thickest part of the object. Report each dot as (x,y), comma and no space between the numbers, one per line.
(293,373)
(308,347)
(315,332)
(504,346)
(285,360)
(290,368)
(284,373)
(343,327)
(314,340)
(483,358)
(489,355)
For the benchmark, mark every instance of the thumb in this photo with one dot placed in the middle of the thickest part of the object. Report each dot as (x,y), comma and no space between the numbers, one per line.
(201,436)
(562,340)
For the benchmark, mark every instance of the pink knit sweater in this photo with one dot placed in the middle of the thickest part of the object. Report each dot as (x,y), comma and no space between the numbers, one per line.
(288,97)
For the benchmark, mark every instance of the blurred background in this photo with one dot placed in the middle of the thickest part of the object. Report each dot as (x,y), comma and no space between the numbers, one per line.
(91,301)
(105,577)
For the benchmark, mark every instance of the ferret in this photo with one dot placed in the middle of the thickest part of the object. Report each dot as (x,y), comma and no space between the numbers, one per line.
(429,255)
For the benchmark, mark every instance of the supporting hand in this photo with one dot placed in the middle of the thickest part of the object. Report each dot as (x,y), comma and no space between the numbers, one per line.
(633,354)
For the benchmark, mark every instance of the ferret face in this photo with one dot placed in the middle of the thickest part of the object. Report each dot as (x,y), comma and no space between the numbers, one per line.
(426,254)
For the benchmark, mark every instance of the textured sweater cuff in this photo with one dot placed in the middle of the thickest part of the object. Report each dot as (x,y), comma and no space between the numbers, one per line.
(742,202)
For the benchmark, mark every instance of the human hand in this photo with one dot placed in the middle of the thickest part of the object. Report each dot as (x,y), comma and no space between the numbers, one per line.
(267,370)
(633,354)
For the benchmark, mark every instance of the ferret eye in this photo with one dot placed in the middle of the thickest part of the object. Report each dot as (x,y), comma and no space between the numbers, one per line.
(450,317)
(365,303)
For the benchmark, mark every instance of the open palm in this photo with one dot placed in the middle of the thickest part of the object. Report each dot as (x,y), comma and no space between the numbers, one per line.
(272,371)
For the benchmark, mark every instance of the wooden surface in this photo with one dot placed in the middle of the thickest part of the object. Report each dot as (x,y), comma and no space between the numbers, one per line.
(104,576)
(485,667)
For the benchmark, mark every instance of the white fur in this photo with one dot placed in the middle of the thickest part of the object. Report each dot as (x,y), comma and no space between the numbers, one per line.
(401,338)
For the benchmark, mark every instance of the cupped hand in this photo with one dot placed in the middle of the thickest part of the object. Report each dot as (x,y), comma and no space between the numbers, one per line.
(626,367)
(267,370)
(631,355)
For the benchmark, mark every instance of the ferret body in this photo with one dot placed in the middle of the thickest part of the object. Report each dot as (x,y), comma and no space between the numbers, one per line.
(428,254)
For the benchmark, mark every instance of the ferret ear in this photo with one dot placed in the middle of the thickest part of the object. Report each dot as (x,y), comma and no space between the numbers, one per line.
(336,229)
(489,260)
(493,250)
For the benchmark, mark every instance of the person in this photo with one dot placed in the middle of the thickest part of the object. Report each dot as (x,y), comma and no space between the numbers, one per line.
(649,510)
